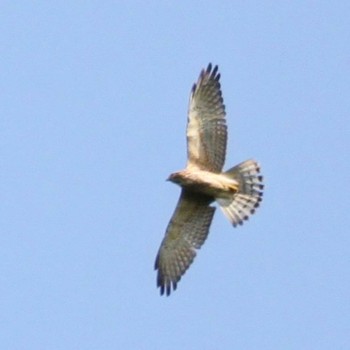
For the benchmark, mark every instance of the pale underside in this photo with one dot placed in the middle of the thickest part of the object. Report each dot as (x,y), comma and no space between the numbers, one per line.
(206,149)
(238,191)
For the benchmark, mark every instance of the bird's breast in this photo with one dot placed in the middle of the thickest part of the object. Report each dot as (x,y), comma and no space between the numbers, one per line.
(205,182)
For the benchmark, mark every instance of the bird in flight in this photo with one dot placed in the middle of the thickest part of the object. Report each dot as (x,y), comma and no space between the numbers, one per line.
(237,191)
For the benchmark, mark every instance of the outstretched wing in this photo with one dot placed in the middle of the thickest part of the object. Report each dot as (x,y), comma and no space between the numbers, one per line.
(186,232)
(206,128)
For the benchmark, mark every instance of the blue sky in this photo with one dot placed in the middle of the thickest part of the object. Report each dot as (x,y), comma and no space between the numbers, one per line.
(93,103)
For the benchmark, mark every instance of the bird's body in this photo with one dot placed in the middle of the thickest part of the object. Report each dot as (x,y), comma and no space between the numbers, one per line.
(205,182)
(238,191)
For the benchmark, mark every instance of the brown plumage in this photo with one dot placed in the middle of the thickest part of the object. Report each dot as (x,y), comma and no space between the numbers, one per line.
(238,191)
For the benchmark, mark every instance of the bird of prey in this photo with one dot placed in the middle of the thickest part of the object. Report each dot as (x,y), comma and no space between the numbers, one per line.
(237,191)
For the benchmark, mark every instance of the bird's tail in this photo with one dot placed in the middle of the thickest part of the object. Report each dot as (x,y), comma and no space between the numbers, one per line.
(249,195)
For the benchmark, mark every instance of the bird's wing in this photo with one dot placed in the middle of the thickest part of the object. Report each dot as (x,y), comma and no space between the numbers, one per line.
(186,232)
(206,128)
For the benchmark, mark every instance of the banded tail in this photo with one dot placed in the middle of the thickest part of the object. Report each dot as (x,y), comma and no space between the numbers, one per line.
(249,195)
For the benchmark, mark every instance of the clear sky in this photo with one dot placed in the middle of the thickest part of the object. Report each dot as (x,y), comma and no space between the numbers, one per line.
(93,104)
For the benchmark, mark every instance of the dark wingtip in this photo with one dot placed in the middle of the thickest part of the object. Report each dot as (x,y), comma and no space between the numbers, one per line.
(213,72)
(165,286)
(194,87)
(209,67)
(208,73)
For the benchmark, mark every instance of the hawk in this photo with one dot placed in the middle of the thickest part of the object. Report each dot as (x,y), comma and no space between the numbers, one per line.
(238,191)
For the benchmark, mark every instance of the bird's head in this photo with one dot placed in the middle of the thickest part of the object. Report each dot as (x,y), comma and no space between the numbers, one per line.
(175,178)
